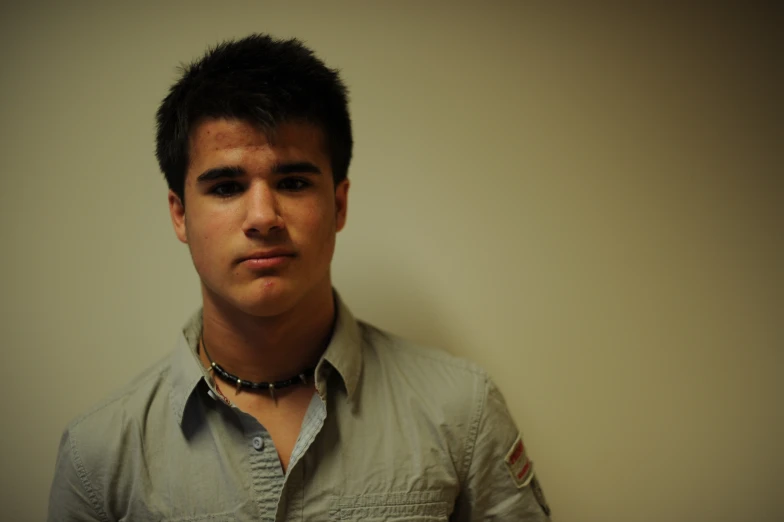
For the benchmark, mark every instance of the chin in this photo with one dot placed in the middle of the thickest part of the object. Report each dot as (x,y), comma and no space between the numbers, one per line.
(268,297)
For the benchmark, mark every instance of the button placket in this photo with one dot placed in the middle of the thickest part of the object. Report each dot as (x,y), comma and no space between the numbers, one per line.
(258,443)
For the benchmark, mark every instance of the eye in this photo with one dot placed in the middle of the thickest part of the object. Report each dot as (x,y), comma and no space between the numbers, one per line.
(225,190)
(294,184)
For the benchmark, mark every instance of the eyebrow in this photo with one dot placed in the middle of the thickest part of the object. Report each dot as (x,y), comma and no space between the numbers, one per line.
(296,167)
(220,173)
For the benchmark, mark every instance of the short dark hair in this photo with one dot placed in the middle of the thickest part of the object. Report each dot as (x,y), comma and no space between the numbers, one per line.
(261,80)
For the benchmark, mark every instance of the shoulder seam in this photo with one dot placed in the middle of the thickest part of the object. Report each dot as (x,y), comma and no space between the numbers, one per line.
(473,430)
(82,472)
(452,360)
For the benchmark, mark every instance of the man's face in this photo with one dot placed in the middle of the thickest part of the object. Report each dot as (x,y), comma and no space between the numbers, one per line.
(248,195)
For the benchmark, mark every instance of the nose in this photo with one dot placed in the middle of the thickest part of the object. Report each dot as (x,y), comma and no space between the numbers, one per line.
(262,213)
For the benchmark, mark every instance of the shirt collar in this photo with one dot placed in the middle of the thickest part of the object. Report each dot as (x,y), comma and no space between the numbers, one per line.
(344,354)
(186,369)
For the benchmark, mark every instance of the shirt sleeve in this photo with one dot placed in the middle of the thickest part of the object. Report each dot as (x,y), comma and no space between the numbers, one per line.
(500,482)
(71,499)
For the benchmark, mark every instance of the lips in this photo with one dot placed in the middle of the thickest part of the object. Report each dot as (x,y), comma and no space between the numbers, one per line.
(267,258)
(268,254)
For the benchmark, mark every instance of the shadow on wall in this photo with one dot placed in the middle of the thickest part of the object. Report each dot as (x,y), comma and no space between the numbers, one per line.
(387,293)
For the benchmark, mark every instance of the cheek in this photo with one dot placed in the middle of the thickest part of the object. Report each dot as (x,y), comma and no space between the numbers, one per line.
(312,228)
(320,223)
(204,236)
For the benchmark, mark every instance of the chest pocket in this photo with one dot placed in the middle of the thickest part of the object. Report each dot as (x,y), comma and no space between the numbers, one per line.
(425,506)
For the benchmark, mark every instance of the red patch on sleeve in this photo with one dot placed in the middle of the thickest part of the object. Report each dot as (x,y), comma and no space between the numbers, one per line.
(520,467)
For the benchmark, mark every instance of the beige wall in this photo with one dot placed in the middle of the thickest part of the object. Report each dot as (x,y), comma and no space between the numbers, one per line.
(587,202)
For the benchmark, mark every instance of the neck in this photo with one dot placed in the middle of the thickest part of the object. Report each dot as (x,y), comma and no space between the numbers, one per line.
(268,348)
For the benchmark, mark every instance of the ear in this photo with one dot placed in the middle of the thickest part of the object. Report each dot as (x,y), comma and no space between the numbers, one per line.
(341,204)
(177,212)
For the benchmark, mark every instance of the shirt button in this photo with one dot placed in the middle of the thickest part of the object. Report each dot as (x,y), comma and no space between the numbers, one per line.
(258,443)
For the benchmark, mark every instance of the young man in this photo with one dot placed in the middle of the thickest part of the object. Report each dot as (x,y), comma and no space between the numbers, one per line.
(276,404)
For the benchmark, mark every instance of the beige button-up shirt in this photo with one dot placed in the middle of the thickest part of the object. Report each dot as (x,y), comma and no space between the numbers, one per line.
(396,432)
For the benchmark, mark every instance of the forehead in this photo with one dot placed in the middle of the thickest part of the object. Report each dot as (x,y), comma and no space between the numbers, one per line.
(229,141)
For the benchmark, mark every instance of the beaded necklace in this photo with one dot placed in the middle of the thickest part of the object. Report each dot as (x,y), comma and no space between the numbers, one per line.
(269,386)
